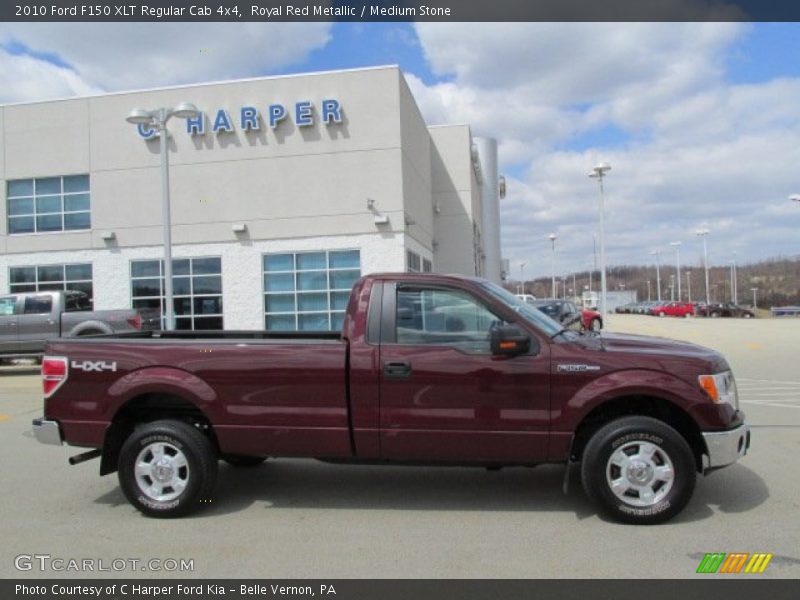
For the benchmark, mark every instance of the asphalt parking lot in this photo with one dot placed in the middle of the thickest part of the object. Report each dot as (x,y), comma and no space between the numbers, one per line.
(301,519)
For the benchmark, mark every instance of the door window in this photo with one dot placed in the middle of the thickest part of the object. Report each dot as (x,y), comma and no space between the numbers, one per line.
(443,317)
(8,306)
(37,305)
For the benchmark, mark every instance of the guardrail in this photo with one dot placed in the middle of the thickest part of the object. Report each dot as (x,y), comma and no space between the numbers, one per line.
(785,311)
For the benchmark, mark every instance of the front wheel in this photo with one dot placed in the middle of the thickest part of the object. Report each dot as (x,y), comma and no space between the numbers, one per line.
(167,468)
(638,470)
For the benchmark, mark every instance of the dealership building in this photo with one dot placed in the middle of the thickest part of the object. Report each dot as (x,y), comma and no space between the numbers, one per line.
(283,191)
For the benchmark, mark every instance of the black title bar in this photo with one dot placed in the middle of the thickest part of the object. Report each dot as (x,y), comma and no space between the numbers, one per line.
(399,10)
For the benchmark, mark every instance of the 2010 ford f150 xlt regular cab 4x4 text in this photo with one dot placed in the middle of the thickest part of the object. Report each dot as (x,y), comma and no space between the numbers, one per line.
(428,369)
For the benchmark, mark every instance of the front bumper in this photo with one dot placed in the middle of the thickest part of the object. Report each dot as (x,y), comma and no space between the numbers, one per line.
(725,447)
(47,432)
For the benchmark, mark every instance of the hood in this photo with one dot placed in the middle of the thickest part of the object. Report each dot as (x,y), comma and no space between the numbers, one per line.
(642,344)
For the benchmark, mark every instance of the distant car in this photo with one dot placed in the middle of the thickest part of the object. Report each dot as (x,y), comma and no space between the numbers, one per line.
(725,309)
(626,309)
(673,309)
(561,311)
(530,299)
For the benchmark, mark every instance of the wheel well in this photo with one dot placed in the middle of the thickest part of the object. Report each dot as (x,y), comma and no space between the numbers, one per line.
(146,409)
(648,406)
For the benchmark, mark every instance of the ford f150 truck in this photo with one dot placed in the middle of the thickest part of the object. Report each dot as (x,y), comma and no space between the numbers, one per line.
(428,369)
(28,320)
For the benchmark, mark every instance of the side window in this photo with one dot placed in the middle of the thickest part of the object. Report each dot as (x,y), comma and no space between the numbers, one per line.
(37,305)
(443,317)
(8,305)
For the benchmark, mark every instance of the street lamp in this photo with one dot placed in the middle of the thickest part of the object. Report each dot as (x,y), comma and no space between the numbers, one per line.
(522,278)
(157,119)
(795,197)
(657,254)
(734,281)
(677,246)
(689,285)
(553,238)
(703,233)
(598,173)
(755,294)
(648,290)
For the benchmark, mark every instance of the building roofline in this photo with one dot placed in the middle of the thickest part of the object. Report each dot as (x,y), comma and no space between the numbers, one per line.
(202,84)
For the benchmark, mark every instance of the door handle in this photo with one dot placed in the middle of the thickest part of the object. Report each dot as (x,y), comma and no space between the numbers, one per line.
(396,370)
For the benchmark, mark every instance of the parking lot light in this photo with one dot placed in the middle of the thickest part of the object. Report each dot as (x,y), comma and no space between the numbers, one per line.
(157,119)
(755,297)
(657,254)
(553,238)
(677,246)
(598,172)
(703,233)
(795,197)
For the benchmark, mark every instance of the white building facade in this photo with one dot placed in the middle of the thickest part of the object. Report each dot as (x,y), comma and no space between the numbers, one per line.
(283,192)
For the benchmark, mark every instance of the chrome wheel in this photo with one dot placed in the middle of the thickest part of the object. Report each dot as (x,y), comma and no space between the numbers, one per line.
(161,471)
(640,473)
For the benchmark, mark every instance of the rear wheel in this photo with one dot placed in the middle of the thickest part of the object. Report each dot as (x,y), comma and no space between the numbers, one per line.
(748,316)
(715,315)
(638,470)
(167,468)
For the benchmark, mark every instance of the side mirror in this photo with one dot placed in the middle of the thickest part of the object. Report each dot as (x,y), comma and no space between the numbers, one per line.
(509,340)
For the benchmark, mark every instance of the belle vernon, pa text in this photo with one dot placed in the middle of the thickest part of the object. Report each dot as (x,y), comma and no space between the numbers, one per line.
(168,591)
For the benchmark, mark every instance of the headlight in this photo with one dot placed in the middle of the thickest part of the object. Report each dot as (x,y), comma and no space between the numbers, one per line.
(720,387)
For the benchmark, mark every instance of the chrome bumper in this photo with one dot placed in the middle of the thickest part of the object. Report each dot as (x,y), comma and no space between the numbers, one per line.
(47,432)
(725,447)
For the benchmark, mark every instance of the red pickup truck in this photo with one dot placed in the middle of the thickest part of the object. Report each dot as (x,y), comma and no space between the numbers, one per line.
(428,369)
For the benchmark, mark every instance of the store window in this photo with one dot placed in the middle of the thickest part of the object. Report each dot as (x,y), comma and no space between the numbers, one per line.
(308,291)
(413,262)
(48,204)
(40,278)
(196,289)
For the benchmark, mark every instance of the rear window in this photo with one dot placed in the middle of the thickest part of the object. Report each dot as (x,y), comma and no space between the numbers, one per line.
(37,305)
(77,302)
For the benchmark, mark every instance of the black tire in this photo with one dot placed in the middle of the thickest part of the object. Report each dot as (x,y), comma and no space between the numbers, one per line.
(240,460)
(181,443)
(672,452)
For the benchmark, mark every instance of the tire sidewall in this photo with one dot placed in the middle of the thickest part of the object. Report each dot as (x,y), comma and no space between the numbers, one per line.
(168,433)
(643,429)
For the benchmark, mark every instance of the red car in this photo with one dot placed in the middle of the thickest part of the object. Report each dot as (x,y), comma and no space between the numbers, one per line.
(592,320)
(673,309)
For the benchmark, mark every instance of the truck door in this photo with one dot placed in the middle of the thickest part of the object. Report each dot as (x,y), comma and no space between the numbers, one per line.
(38,322)
(443,396)
(9,337)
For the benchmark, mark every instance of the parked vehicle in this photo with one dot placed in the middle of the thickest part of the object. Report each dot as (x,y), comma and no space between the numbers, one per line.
(29,320)
(725,309)
(673,309)
(592,320)
(561,311)
(527,297)
(428,369)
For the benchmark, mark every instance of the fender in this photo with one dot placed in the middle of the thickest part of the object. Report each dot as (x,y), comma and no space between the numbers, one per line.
(632,382)
(90,326)
(163,380)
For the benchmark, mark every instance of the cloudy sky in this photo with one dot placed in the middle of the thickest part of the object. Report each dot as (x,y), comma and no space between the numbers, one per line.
(700,121)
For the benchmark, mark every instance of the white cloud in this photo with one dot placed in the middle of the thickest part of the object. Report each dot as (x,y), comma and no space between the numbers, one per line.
(26,78)
(121,56)
(700,150)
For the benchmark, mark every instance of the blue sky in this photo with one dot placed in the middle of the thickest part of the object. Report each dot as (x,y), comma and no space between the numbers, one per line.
(701,121)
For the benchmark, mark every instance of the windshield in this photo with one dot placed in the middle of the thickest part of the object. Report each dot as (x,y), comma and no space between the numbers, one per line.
(529,313)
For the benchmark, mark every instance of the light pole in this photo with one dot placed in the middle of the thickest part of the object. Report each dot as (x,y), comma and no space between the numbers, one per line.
(648,290)
(522,278)
(657,254)
(735,281)
(157,119)
(755,295)
(672,287)
(574,285)
(553,238)
(703,233)
(677,246)
(689,285)
(599,172)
